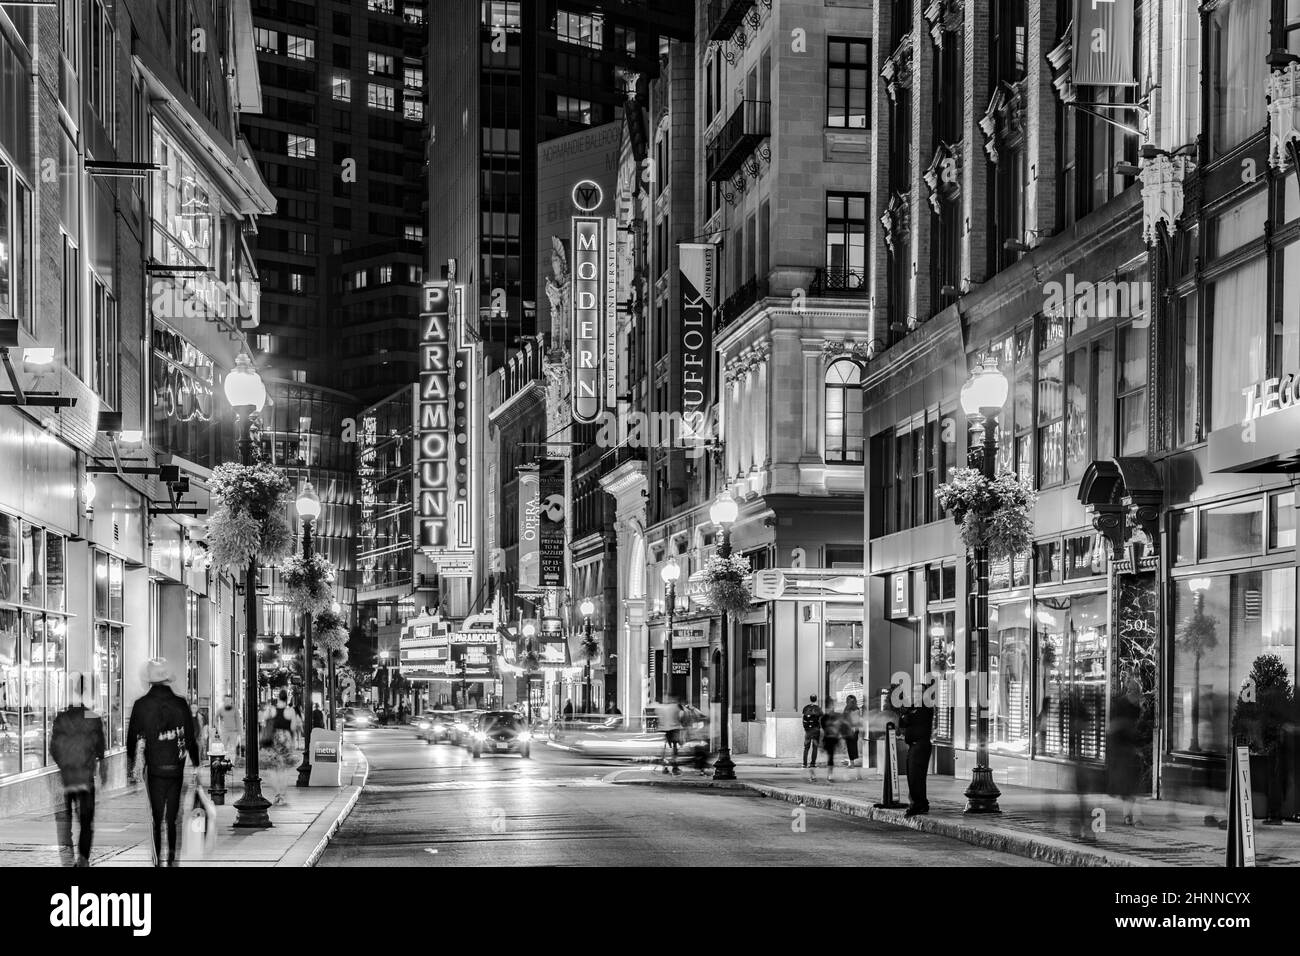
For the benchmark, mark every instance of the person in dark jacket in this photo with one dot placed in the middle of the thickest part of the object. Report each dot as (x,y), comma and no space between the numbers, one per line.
(317,718)
(852,733)
(77,746)
(162,725)
(812,731)
(832,732)
(917,724)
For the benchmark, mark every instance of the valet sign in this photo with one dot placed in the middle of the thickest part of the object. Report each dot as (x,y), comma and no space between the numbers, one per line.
(589,254)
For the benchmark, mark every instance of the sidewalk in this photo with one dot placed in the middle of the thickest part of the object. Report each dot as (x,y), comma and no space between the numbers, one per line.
(1034,823)
(302,826)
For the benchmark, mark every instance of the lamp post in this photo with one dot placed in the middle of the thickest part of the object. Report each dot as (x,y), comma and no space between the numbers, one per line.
(723,513)
(588,609)
(669,573)
(529,632)
(981,399)
(308,505)
(247,396)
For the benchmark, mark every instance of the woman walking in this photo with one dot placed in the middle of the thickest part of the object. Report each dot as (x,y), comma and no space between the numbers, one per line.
(280,723)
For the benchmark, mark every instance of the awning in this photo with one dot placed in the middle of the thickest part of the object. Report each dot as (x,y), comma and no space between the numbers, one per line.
(1269,443)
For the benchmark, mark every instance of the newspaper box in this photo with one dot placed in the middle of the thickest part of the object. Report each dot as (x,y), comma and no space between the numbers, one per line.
(326,758)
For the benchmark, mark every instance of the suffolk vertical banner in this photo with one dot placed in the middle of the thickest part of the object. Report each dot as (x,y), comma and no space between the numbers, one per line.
(698,292)
(550,522)
(589,349)
(529,529)
(1103,50)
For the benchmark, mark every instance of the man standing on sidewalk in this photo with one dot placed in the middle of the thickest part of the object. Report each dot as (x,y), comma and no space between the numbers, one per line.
(161,720)
(77,745)
(812,730)
(918,726)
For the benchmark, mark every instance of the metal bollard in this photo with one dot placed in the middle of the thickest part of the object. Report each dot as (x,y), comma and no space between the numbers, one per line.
(219,765)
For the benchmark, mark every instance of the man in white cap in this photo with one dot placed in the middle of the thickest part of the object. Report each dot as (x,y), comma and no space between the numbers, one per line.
(163,721)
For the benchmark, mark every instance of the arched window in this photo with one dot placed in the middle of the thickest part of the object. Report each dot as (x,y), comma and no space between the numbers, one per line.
(844,411)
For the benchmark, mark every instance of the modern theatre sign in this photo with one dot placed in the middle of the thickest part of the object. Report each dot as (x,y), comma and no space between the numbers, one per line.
(588,280)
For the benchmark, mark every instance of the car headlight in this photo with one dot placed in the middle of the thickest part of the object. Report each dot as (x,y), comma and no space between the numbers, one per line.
(480,736)
(462,728)
(524,736)
(423,725)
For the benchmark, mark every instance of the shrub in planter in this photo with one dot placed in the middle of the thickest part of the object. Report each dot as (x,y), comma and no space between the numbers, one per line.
(1262,719)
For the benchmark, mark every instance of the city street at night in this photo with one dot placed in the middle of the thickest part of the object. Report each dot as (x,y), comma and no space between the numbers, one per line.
(434,805)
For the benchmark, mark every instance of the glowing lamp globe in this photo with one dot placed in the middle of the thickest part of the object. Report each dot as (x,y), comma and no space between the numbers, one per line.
(244,388)
(587,608)
(308,503)
(986,389)
(724,510)
(671,572)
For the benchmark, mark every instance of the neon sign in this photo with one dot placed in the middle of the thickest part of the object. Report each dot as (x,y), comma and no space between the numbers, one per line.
(588,318)
(433,405)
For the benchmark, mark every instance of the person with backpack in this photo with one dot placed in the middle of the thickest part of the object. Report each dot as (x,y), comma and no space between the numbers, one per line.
(832,732)
(163,727)
(77,746)
(812,731)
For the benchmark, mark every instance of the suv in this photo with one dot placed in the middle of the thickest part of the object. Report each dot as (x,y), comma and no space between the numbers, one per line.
(501,731)
(359,717)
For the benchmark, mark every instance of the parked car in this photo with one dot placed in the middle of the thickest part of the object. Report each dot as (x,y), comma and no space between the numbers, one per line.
(435,726)
(361,717)
(501,731)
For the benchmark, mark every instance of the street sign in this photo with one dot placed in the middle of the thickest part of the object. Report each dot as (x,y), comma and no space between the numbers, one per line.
(682,667)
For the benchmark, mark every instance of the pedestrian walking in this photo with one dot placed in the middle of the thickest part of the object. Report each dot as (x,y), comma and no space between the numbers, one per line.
(401,713)
(917,724)
(853,734)
(568,709)
(669,713)
(317,717)
(200,731)
(812,731)
(832,732)
(226,724)
(1124,749)
(280,722)
(77,746)
(163,727)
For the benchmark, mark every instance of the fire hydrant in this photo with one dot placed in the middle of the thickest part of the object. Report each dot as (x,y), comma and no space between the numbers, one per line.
(219,765)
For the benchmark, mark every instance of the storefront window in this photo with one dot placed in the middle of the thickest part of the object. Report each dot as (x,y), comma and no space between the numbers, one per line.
(9,558)
(1235,327)
(1047,562)
(941,666)
(1281,520)
(844,679)
(33,566)
(11,697)
(1184,532)
(1221,624)
(1008,694)
(109,613)
(1070,714)
(1232,530)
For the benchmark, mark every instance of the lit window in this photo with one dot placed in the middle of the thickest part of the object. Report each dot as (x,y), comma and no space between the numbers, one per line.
(385,275)
(412,107)
(573,109)
(359,279)
(413,78)
(268,41)
(412,13)
(501,13)
(299,48)
(379,96)
(295,281)
(381,6)
(584,29)
(341,86)
(302,147)
(415,233)
(379,64)
(844,411)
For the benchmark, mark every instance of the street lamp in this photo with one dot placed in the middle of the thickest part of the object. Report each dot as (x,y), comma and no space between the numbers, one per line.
(308,505)
(247,396)
(588,609)
(723,513)
(670,572)
(981,399)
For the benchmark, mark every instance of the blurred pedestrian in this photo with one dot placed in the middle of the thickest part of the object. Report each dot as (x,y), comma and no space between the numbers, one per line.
(280,723)
(200,730)
(812,731)
(77,746)
(401,712)
(317,717)
(917,724)
(1124,749)
(669,713)
(832,732)
(162,724)
(853,733)
(226,723)
(568,709)
(613,709)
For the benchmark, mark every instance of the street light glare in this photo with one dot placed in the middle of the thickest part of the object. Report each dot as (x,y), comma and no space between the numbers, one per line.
(671,571)
(308,503)
(530,630)
(986,389)
(587,608)
(724,510)
(244,387)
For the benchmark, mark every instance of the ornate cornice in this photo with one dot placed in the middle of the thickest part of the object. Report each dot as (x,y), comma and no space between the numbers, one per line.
(943,176)
(1162,193)
(896,221)
(945,16)
(897,69)
(1061,60)
(1003,123)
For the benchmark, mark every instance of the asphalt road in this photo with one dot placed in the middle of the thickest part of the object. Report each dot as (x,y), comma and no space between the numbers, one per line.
(434,805)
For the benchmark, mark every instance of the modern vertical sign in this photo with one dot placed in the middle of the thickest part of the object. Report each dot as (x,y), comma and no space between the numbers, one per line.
(443,509)
(529,529)
(1102,46)
(550,523)
(611,313)
(588,278)
(698,290)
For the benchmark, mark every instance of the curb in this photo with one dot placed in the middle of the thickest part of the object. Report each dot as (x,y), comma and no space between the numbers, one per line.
(1002,840)
(349,801)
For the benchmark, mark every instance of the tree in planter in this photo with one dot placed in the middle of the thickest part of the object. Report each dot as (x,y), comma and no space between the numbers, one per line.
(1198,636)
(1263,718)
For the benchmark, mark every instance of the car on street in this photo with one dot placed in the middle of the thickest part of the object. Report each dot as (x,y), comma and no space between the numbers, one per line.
(361,717)
(435,726)
(500,732)
(461,727)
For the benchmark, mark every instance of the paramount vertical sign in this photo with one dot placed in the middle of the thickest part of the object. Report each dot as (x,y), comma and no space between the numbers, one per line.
(443,518)
(589,348)
(698,291)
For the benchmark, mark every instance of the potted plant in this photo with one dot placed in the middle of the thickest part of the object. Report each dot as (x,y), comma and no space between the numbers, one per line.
(725,584)
(1263,720)
(308,583)
(996,514)
(249,516)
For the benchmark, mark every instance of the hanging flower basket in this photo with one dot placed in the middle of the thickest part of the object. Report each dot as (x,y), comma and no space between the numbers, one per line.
(995,514)
(726,585)
(308,583)
(249,515)
(330,631)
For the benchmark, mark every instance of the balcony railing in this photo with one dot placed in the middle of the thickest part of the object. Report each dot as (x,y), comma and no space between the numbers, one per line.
(725,16)
(616,457)
(839,282)
(736,303)
(748,126)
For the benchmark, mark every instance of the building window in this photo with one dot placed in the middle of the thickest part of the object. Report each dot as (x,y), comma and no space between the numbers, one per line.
(1010,714)
(413,107)
(848,71)
(844,412)
(266,41)
(359,279)
(846,240)
(341,88)
(1239,40)
(381,6)
(573,109)
(71,304)
(413,233)
(103,60)
(379,64)
(16,249)
(413,77)
(412,13)
(385,274)
(107,692)
(502,14)
(1131,388)
(1070,699)
(302,147)
(108,346)
(1236,322)
(295,282)
(379,97)
(299,48)
(184,214)
(584,29)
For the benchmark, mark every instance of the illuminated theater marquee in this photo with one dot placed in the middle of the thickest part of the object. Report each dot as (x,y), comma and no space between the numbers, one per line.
(588,317)
(433,465)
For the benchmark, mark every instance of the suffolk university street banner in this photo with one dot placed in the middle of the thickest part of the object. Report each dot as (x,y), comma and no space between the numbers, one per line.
(698,274)
(1103,49)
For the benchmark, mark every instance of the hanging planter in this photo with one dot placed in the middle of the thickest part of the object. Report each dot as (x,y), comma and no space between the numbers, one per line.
(995,514)
(308,583)
(725,585)
(249,517)
(330,631)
